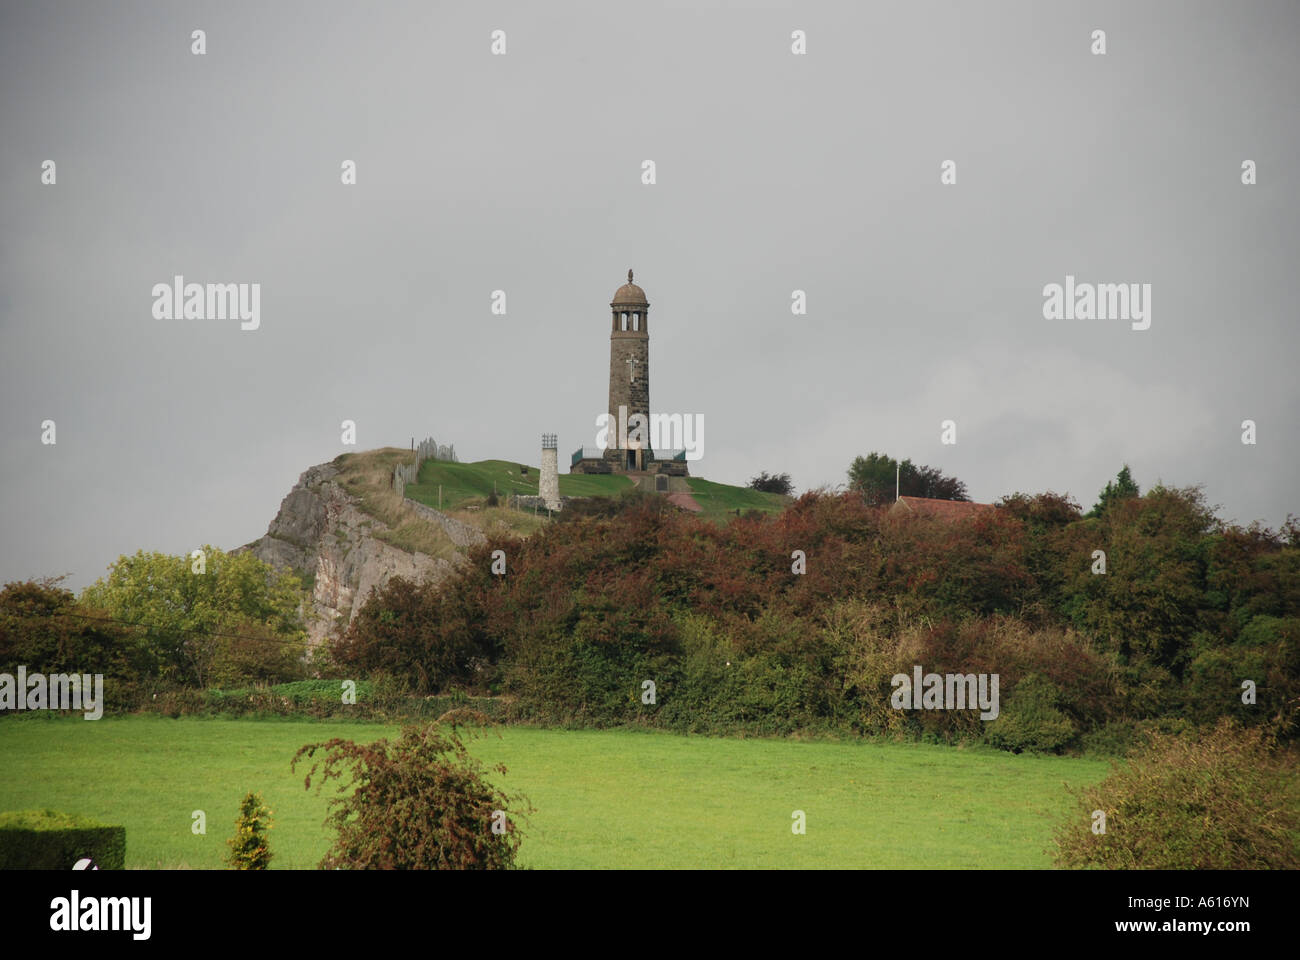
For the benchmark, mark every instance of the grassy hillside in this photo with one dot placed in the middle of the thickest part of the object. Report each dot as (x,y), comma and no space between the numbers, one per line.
(466,486)
(469,483)
(605,799)
(368,476)
(720,499)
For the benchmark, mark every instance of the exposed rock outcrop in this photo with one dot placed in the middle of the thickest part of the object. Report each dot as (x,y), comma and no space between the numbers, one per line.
(322,534)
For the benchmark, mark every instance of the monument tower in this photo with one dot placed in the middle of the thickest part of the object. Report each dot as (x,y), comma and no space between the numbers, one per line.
(628,444)
(629,374)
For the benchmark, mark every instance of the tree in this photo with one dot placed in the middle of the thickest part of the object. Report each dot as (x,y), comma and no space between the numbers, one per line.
(773,483)
(420,803)
(44,628)
(248,847)
(1121,488)
(930,482)
(1041,511)
(873,476)
(1146,606)
(198,611)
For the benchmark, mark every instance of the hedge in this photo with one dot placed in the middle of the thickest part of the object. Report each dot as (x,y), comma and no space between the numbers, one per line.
(49,840)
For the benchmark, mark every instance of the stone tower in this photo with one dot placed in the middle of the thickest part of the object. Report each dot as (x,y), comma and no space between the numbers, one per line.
(629,375)
(548,486)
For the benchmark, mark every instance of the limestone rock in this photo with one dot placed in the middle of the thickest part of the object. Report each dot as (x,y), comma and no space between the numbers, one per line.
(322,534)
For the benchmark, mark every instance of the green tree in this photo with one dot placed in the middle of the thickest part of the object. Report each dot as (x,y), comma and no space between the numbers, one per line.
(230,618)
(874,477)
(43,628)
(248,847)
(772,483)
(1146,606)
(1121,488)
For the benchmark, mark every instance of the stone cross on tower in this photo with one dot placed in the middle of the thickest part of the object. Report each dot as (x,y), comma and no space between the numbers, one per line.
(629,344)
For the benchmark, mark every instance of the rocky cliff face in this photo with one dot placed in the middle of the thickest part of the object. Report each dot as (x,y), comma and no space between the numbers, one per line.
(322,535)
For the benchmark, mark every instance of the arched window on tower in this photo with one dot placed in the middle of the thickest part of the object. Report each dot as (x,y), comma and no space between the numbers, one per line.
(623,315)
(636,321)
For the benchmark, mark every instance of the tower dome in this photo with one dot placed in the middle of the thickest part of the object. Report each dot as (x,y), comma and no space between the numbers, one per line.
(629,295)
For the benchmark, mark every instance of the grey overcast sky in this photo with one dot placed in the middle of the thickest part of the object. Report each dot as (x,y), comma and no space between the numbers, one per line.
(522,172)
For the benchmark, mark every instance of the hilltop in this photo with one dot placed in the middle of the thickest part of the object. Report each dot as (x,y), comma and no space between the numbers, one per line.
(468,485)
(345,530)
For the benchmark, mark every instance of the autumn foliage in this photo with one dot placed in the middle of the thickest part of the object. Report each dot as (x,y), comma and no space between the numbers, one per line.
(735,640)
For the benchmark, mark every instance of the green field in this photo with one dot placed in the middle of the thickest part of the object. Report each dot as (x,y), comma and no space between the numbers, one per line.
(603,798)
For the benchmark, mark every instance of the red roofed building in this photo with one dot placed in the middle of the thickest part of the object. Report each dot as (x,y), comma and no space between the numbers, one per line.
(944,509)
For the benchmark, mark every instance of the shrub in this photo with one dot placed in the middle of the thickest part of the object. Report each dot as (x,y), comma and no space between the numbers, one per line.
(253,653)
(630,588)
(248,847)
(427,635)
(1120,738)
(773,483)
(180,702)
(49,840)
(869,654)
(1267,651)
(420,803)
(1221,802)
(1115,739)
(585,508)
(1029,720)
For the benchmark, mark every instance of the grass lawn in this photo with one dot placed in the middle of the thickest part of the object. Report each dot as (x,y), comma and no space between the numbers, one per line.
(471,482)
(466,483)
(604,798)
(720,499)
